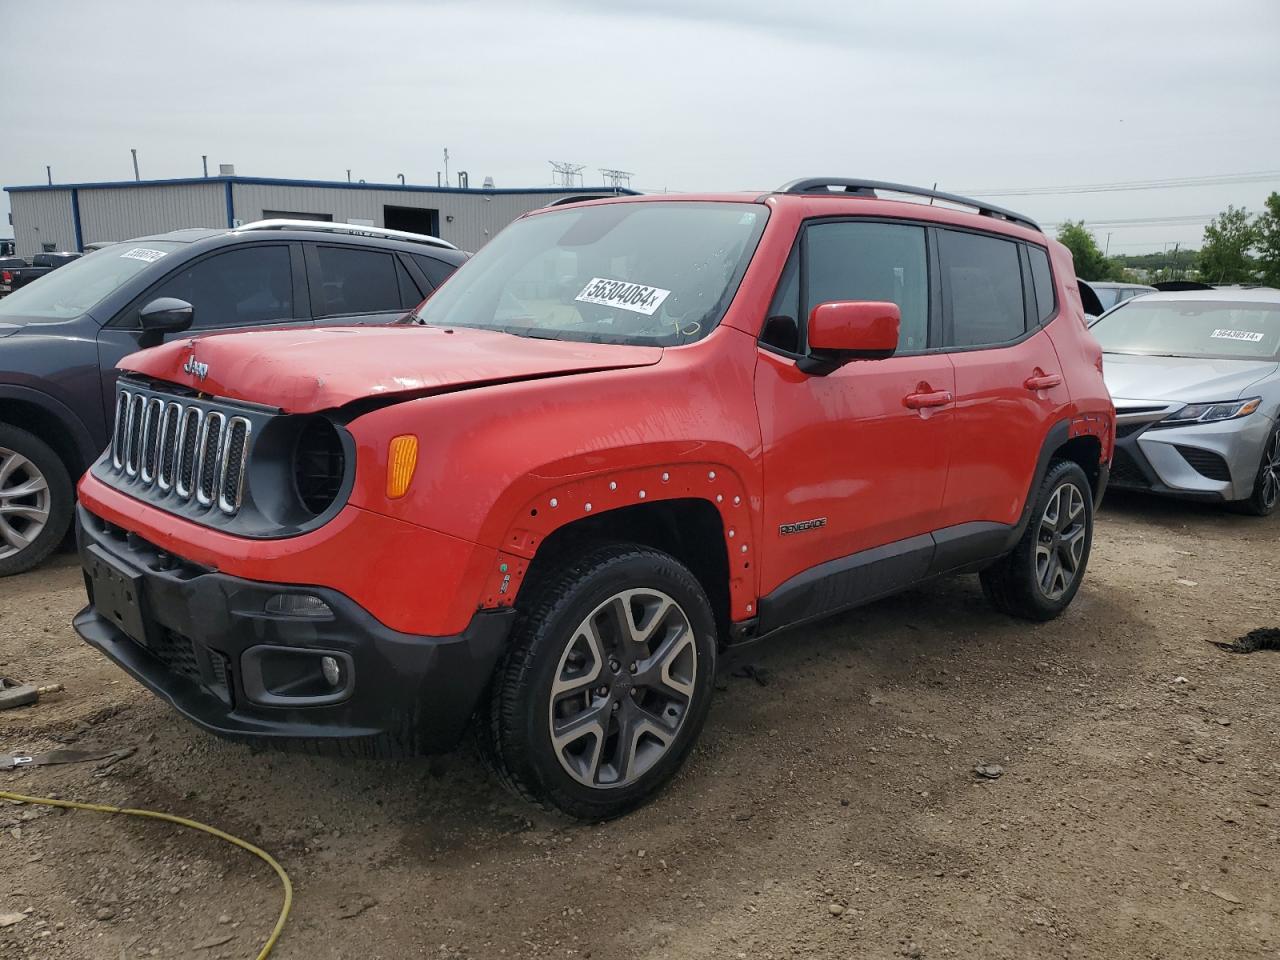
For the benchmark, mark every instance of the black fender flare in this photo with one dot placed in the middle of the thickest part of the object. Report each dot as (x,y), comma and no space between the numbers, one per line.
(66,417)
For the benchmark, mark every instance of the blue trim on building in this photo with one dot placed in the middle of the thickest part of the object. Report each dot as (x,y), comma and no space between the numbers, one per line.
(328,184)
(75,219)
(231,207)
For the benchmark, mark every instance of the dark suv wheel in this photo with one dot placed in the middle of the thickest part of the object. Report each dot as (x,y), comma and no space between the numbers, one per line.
(1039,578)
(606,685)
(35,500)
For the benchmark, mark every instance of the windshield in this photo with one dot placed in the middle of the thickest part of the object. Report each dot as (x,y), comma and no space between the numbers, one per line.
(72,291)
(1212,329)
(644,273)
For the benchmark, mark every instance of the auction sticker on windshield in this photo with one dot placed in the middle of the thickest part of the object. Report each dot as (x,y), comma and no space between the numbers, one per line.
(143,253)
(1248,335)
(636,297)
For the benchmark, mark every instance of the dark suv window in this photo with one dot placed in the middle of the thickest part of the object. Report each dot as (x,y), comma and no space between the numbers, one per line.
(437,271)
(242,286)
(982,282)
(356,281)
(1043,281)
(872,261)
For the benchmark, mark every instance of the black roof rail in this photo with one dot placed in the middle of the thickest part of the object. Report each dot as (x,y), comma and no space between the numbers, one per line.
(583,198)
(868,188)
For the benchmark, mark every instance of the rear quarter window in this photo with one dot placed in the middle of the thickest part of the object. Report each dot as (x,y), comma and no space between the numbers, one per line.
(1042,281)
(982,286)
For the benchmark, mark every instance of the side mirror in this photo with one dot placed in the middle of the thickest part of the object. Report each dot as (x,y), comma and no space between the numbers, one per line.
(164,315)
(844,330)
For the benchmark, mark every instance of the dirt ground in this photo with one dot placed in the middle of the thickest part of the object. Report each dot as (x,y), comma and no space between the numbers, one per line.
(832,811)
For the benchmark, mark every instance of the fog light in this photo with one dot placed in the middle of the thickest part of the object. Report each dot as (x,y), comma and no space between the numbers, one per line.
(298,605)
(332,673)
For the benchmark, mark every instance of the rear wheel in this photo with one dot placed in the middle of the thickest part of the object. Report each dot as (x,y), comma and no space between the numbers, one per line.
(606,685)
(1266,486)
(36,500)
(1040,577)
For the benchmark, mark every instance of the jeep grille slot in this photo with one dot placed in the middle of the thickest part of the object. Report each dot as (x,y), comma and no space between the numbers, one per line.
(318,465)
(181,448)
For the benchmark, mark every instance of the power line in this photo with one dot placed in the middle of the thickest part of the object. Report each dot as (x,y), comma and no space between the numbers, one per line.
(1169,183)
(1186,220)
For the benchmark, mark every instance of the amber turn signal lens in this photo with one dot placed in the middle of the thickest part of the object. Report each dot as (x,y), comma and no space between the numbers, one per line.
(401,460)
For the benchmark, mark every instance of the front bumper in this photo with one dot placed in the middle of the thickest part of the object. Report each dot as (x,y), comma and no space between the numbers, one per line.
(1208,461)
(205,642)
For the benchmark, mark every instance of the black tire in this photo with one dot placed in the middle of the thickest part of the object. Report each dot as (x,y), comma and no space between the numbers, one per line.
(40,458)
(1266,484)
(515,725)
(1016,584)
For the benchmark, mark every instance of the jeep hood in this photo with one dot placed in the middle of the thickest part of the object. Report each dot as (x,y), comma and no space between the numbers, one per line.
(302,371)
(1185,379)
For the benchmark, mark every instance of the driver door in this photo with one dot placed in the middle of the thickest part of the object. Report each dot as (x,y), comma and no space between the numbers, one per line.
(856,460)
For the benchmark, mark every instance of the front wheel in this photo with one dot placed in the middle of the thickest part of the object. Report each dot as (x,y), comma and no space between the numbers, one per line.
(1040,577)
(36,500)
(1266,486)
(606,685)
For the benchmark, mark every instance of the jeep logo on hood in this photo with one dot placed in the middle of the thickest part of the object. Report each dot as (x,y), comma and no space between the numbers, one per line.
(195,367)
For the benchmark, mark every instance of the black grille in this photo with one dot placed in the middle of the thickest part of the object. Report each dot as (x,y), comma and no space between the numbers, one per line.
(1125,471)
(177,653)
(1129,429)
(318,465)
(209,457)
(169,453)
(190,432)
(136,407)
(1206,463)
(238,434)
(151,437)
(122,420)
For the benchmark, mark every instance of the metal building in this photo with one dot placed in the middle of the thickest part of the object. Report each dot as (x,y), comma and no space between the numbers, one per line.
(68,216)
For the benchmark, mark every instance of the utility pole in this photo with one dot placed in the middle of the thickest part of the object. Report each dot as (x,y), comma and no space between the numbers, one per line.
(1107,251)
(135,164)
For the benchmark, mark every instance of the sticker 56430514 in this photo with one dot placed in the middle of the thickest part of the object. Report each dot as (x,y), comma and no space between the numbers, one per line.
(1250,335)
(143,253)
(636,297)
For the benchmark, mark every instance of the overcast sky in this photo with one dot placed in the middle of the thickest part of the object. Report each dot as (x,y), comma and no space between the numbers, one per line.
(688,94)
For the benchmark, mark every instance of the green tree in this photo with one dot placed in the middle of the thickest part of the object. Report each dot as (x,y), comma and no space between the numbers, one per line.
(1224,257)
(1091,263)
(1268,226)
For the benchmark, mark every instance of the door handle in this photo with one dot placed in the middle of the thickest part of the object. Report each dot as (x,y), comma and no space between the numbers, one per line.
(936,398)
(1042,381)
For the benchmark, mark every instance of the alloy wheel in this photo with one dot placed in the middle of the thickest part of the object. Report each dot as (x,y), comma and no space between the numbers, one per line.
(24,502)
(1060,541)
(622,688)
(1269,476)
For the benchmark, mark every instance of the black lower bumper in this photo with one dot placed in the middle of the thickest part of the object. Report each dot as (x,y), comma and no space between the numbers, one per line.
(207,643)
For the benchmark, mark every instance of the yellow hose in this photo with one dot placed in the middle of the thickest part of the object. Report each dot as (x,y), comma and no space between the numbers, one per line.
(194,825)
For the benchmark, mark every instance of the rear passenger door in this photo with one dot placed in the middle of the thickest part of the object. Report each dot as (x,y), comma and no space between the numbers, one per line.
(354,284)
(1009,384)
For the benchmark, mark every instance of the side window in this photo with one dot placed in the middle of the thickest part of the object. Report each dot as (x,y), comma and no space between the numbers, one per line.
(1042,279)
(872,261)
(410,295)
(356,281)
(437,271)
(982,282)
(782,324)
(243,286)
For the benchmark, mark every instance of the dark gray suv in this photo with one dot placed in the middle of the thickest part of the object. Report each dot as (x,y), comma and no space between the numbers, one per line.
(61,336)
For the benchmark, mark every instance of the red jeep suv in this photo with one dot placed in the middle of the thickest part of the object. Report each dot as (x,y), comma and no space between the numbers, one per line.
(628,434)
